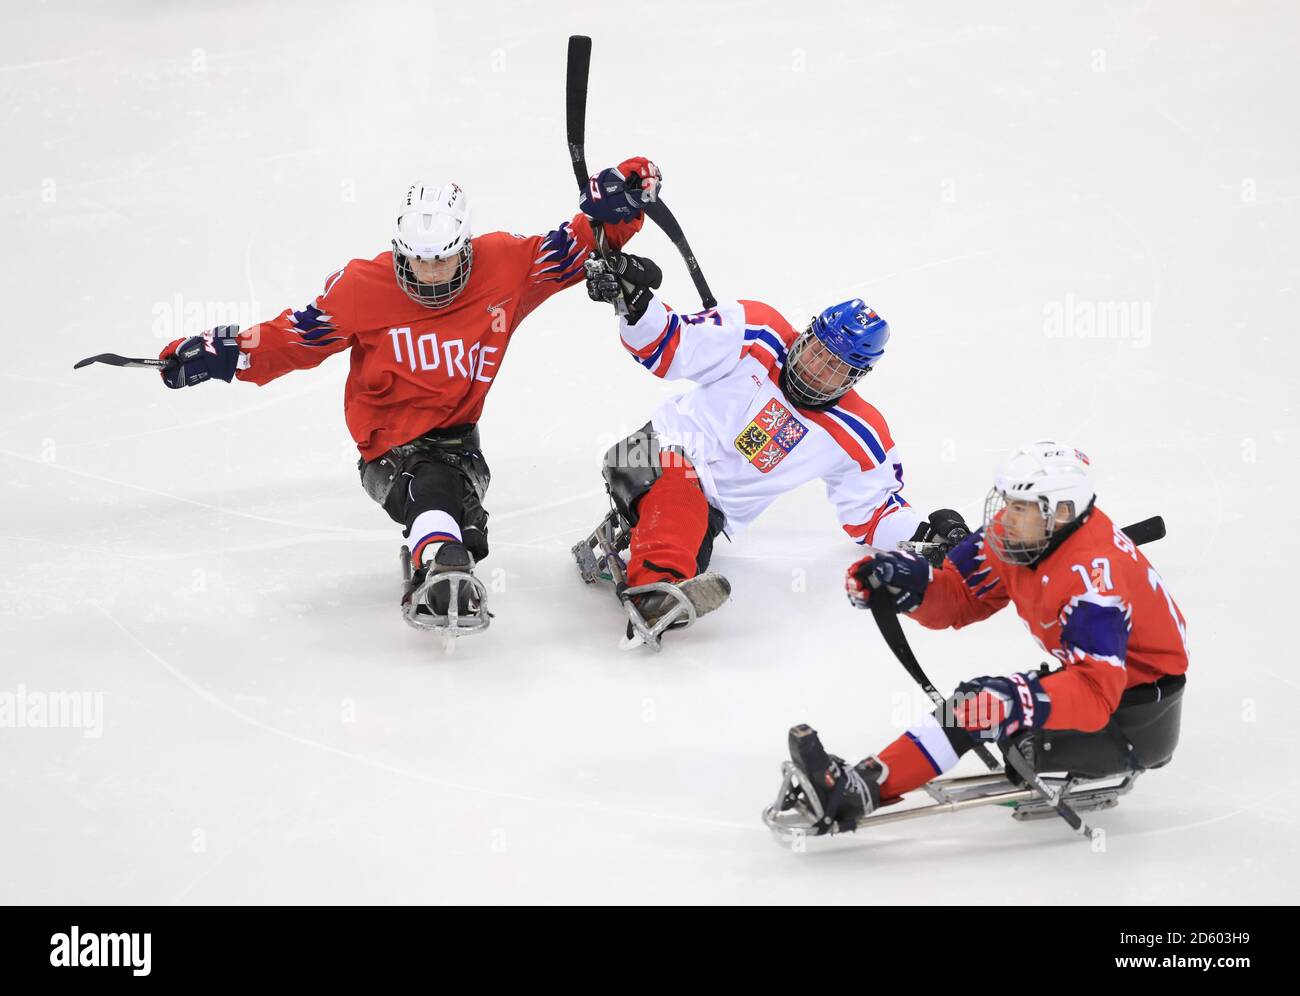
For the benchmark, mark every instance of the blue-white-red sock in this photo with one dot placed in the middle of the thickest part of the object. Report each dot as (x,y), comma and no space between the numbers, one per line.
(429,531)
(922,753)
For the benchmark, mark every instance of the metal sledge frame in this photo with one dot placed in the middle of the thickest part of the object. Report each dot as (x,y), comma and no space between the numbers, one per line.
(682,614)
(800,811)
(598,555)
(599,559)
(453,624)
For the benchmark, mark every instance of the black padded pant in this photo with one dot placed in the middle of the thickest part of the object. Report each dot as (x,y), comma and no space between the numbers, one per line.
(442,470)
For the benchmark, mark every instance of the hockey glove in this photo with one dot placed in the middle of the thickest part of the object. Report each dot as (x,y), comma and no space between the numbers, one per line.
(947,527)
(900,578)
(215,353)
(999,707)
(944,530)
(618,193)
(634,277)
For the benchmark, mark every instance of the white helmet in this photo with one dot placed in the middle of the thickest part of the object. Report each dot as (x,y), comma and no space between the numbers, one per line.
(1053,476)
(432,223)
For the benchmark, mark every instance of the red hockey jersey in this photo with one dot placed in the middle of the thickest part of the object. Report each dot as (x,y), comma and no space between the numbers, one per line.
(1095,603)
(415,368)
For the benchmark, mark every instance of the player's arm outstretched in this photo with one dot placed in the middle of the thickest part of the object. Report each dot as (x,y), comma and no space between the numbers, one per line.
(868,491)
(293,340)
(1082,695)
(553,261)
(965,589)
(700,347)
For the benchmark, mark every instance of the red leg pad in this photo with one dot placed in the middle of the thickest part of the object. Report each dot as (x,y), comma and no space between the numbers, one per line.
(673,517)
(909,768)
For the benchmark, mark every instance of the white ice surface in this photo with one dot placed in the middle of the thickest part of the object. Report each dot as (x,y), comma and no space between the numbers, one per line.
(206,563)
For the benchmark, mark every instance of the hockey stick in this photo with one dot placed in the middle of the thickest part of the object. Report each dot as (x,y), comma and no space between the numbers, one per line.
(887,619)
(1055,797)
(1146,531)
(891,629)
(575,93)
(575,105)
(576,71)
(664,218)
(113,360)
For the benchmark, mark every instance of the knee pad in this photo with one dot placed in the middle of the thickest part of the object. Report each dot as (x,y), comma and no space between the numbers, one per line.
(380,475)
(631,467)
(455,486)
(397,476)
(431,484)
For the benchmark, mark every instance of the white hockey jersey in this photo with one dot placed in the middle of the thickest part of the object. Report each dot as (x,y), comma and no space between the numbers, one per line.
(749,443)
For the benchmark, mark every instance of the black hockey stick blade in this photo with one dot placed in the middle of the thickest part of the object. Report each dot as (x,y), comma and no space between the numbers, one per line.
(1146,531)
(1055,796)
(575,105)
(892,630)
(664,218)
(113,360)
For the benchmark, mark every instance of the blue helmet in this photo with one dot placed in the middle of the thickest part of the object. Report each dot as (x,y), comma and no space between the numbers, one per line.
(853,335)
(853,332)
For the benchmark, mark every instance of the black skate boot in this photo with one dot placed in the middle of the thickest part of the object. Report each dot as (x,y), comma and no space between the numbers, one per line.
(655,608)
(843,795)
(444,595)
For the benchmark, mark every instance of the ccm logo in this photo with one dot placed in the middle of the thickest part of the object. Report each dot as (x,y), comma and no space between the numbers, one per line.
(1026,698)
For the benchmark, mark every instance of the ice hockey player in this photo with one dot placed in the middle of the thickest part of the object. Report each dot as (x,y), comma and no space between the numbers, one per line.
(772,409)
(428,324)
(1087,595)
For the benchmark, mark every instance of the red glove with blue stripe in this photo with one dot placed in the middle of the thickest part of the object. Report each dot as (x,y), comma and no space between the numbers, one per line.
(899,577)
(619,193)
(1000,707)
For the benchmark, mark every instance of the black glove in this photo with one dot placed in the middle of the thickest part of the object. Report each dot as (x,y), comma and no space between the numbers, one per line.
(948,527)
(944,530)
(621,274)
